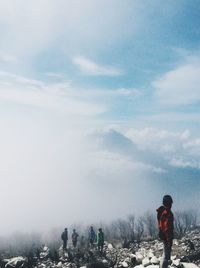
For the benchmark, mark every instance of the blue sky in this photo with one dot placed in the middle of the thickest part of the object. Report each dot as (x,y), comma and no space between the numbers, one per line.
(106,47)
(112,82)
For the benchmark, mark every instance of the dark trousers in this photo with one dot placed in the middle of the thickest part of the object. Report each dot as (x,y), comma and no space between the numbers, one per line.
(167,248)
(74,242)
(64,244)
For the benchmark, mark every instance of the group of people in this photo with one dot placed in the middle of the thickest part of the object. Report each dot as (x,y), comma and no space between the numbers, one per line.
(92,238)
(166,232)
(64,237)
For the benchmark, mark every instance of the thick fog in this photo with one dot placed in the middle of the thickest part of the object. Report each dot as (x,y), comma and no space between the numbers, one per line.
(54,173)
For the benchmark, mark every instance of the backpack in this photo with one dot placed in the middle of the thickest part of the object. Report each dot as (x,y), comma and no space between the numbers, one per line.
(163,223)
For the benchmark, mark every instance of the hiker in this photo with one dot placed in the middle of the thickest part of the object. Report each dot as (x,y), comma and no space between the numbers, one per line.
(64,237)
(92,236)
(100,240)
(166,229)
(74,238)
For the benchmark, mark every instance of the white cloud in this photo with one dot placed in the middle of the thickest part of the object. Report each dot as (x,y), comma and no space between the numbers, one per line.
(158,140)
(114,163)
(193,147)
(60,96)
(131,155)
(29,28)
(179,86)
(177,149)
(36,93)
(181,163)
(89,67)
(150,150)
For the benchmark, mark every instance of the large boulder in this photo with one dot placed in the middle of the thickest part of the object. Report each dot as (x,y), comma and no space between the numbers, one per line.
(15,262)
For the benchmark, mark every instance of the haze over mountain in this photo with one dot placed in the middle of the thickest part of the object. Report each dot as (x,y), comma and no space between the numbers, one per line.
(99,109)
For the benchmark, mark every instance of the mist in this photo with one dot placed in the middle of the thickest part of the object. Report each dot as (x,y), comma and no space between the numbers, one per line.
(55,173)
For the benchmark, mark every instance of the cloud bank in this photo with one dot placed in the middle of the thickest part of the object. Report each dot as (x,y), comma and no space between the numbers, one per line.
(180,85)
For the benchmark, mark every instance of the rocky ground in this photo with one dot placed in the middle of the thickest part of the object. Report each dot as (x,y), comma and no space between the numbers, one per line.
(186,254)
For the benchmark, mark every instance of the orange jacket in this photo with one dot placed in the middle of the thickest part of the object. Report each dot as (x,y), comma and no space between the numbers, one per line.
(165,223)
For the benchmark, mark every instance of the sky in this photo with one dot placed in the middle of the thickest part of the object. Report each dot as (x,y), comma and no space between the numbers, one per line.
(99,109)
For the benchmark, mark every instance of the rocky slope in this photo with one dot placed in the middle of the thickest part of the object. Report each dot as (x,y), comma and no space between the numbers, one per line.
(186,254)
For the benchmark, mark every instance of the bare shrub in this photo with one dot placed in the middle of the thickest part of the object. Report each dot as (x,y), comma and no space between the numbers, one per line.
(139,229)
(184,221)
(150,223)
(131,226)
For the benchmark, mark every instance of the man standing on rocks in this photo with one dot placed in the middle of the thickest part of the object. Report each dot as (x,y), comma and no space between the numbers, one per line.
(64,237)
(166,228)
(92,236)
(74,238)
(100,240)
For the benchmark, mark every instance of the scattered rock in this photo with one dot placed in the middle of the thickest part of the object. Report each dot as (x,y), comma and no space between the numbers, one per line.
(15,262)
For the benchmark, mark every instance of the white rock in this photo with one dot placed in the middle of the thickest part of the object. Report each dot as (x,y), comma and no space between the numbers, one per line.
(45,248)
(105,261)
(175,242)
(124,264)
(59,264)
(146,262)
(189,265)
(139,266)
(127,260)
(139,257)
(155,260)
(15,261)
(153,266)
(110,246)
(150,254)
(176,262)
